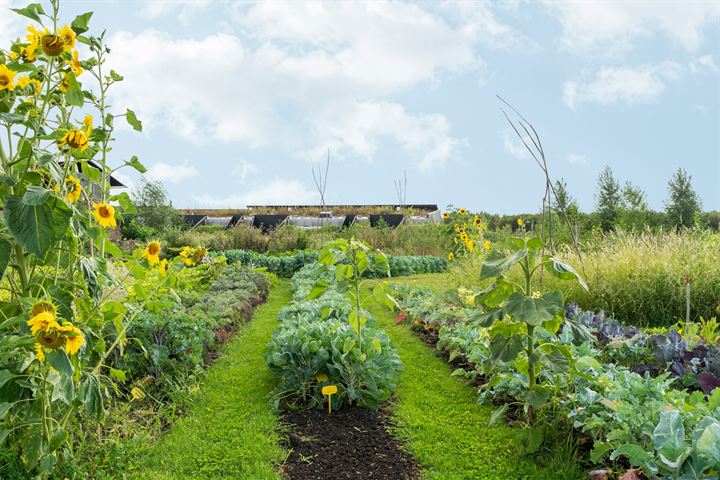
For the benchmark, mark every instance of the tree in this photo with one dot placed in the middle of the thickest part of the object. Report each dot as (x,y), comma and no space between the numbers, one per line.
(563,201)
(684,204)
(154,208)
(634,198)
(608,199)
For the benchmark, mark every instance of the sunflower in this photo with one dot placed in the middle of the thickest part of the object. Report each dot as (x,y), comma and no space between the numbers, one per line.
(163,267)
(456,227)
(74,139)
(42,321)
(39,352)
(74,189)
(40,307)
(487,246)
(470,245)
(73,338)
(520,222)
(52,45)
(74,63)
(68,37)
(51,338)
(88,122)
(65,84)
(7,78)
(152,252)
(105,215)
(451,256)
(446,215)
(187,254)
(200,252)
(462,211)
(34,38)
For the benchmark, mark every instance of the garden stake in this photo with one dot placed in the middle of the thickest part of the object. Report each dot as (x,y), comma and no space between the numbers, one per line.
(329,391)
(687,304)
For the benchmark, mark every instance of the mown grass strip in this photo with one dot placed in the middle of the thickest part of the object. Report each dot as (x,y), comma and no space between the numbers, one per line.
(231,430)
(441,423)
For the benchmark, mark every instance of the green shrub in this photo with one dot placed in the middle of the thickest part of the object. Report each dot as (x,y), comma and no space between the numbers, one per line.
(286,265)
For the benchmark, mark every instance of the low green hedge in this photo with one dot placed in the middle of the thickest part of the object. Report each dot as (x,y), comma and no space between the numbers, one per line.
(286,264)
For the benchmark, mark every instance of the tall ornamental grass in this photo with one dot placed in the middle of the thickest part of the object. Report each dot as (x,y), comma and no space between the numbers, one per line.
(640,278)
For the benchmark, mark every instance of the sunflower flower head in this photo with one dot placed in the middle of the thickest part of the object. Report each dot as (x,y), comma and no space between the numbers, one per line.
(41,307)
(187,254)
(163,267)
(105,215)
(74,139)
(39,352)
(487,246)
(88,123)
(73,338)
(68,37)
(152,252)
(520,222)
(199,254)
(462,211)
(451,256)
(446,215)
(75,65)
(7,78)
(74,189)
(52,45)
(42,321)
(51,338)
(65,84)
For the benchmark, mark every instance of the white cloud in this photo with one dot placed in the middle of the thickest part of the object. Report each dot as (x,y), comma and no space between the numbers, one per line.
(600,26)
(361,130)
(277,192)
(610,85)
(302,75)
(166,172)
(185,10)
(576,159)
(706,62)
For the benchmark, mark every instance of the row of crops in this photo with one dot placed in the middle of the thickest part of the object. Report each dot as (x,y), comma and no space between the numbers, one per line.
(647,399)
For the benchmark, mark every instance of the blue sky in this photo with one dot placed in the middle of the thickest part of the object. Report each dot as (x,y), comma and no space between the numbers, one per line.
(239,98)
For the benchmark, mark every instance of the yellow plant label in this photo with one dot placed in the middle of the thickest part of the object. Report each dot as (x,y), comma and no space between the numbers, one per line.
(329,390)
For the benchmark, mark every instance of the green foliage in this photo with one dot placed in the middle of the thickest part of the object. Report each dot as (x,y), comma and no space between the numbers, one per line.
(285,265)
(511,305)
(327,336)
(608,199)
(154,208)
(640,278)
(683,204)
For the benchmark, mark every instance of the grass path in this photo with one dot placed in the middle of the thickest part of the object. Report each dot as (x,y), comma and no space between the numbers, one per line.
(231,430)
(441,424)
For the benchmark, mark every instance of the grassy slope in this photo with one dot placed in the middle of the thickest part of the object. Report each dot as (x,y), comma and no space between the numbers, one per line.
(440,422)
(231,430)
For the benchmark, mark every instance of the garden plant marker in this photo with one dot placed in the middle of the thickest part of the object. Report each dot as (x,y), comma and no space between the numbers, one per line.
(329,391)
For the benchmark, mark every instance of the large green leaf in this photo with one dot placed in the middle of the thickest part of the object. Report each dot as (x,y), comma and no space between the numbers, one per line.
(669,439)
(32,11)
(496,263)
(495,294)
(556,357)
(563,271)
(59,360)
(91,397)
(708,445)
(80,24)
(505,349)
(37,227)
(533,311)
(133,120)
